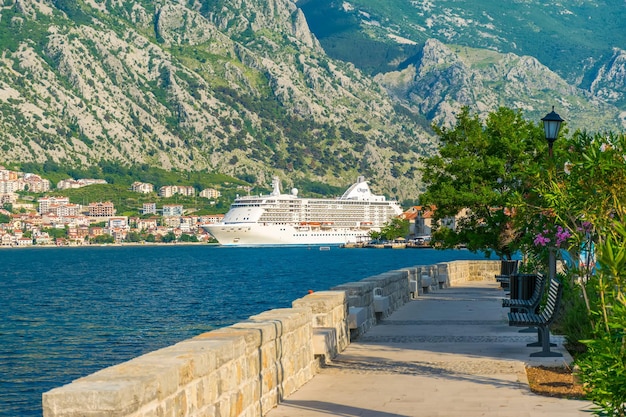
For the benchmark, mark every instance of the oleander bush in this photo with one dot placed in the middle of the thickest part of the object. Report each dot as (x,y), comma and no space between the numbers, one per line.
(583,190)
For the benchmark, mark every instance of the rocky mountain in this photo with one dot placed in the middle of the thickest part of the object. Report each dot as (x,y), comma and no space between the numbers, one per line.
(438,56)
(241,88)
(315,91)
(442,79)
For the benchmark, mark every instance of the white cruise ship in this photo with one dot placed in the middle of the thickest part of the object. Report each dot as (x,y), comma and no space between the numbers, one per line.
(286,219)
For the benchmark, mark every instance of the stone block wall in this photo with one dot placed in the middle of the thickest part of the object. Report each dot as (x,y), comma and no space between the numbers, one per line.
(462,271)
(394,285)
(360,295)
(246,369)
(240,370)
(329,321)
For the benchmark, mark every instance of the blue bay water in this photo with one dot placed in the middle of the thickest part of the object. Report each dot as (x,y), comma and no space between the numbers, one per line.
(68,312)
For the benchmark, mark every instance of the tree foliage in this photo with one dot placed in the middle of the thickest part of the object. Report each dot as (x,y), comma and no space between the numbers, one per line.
(478,171)
(394,229)
(583,189)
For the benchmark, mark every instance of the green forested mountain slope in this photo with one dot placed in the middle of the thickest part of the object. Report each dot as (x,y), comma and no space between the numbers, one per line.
(241,89)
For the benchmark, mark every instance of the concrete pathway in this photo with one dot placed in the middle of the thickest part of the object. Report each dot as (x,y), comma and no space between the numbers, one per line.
(447,353)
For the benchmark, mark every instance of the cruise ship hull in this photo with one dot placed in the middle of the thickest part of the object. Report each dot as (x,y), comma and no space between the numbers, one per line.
(250,234)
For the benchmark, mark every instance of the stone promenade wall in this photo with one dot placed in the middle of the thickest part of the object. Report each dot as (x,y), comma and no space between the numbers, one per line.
(246,369)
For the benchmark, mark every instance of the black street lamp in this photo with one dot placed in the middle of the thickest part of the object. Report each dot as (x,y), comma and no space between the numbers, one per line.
(551,125)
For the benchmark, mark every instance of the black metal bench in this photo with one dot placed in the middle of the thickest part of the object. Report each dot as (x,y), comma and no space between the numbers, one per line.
(541,320)
(507,268)
(528,305)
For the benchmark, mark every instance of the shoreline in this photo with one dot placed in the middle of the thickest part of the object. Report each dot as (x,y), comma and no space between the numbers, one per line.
(104,245)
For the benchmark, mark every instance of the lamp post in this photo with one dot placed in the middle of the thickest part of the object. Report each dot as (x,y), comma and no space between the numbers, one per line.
(551,126)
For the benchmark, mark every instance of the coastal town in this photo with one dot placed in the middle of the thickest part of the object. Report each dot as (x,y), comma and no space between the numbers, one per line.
(31,215)
(55,221)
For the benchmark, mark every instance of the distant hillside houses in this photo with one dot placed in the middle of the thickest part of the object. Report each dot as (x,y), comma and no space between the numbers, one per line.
(83,182)
(170,190)
(142,187)
(171,210)
(101,209)
(53,220)
(149,208)
(12,181)
(46,203)
(210,193)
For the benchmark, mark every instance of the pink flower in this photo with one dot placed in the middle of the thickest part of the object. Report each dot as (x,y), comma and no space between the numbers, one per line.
(541,240)
(558,235)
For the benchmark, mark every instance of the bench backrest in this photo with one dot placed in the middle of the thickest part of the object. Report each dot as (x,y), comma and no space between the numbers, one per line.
(555,292)
(508,267)
(540,285)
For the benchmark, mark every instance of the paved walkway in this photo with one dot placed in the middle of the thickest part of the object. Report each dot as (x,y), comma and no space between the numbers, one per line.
(447,353)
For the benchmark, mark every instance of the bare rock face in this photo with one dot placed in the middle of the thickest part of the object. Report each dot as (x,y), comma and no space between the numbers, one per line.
(441,80)
(240,87)
(610,82)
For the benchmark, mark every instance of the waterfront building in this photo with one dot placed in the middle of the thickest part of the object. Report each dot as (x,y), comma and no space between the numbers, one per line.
(420,220)
(24,241)
(211,218)
(118,233)
(95,231)
(6,239)
(146,224)
(77,233)
(42,238)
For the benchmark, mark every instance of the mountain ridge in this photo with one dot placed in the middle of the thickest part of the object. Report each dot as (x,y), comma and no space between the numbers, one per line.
(588,59)
(247,89)
(175,91)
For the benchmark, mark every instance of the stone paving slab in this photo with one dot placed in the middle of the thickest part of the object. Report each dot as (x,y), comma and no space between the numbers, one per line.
(448,353)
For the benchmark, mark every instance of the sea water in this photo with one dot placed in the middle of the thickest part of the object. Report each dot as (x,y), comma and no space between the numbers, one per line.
(68,312)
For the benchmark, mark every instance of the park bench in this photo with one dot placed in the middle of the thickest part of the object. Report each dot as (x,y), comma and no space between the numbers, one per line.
(507,268)
(531,304)
(541,320)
